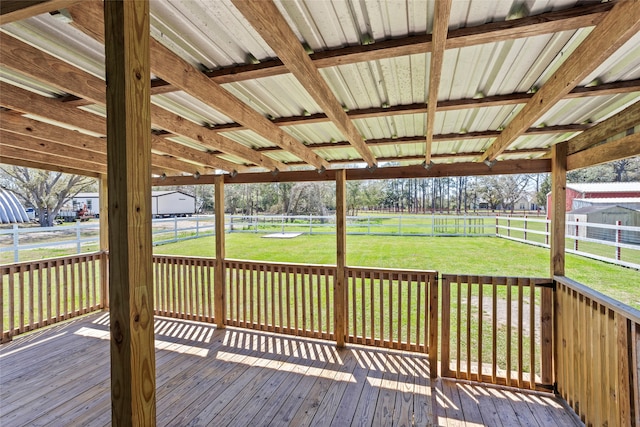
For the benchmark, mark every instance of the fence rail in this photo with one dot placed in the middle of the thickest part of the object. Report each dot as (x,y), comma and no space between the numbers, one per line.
(40,293)
(597,355)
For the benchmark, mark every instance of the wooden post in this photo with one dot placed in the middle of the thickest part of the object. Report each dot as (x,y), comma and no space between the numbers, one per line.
(133,388)
(340,287)
(104,240)
(219,288)
(558,207)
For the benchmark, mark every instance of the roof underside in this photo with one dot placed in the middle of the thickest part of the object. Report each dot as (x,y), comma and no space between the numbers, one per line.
(377,58)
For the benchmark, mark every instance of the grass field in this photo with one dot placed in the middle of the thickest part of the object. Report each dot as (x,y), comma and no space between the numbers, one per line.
(463,255)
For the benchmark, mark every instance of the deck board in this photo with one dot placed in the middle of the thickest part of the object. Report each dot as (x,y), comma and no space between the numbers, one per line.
(230,377)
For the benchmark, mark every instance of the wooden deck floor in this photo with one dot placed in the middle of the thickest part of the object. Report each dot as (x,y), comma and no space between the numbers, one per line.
(237,377)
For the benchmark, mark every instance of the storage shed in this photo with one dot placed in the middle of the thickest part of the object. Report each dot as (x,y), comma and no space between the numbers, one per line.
(608,214)
(172,203)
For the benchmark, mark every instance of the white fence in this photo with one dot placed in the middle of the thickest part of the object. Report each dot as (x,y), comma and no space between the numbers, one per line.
(616,244)
(85,236)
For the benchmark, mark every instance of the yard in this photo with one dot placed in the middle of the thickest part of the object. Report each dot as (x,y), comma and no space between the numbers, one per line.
(468,255)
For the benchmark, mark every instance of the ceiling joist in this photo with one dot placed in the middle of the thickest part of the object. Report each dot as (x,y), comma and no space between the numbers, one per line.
(16,10)
(622,148)
(440,29)
(615,29)
(266,19)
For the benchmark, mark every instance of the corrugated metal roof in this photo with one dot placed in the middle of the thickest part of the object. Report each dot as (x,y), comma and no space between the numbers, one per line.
(605,187)
(213,35)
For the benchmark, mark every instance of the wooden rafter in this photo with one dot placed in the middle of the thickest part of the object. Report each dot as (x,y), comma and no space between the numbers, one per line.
(266,19)
(16,10)
(440,29)
(26,59)
(545,23)
(186,77)
(28,102)
(620,122)
(20,132)
(617,27)
(614,88)
(414,171)
(48,161)
(617,149)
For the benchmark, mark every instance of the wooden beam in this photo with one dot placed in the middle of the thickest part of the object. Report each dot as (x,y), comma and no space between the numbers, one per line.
(340,288)
(219,287)
(267,20)
(531,26)
(505,167)
(210,139)
(622,148)
(103,192)
(615,29)
(17,10)
(35,135)
(47,161)
(618,123)
(133,376)
(440,30)
(186,77)
(15,98)
(26,59)
(558,207)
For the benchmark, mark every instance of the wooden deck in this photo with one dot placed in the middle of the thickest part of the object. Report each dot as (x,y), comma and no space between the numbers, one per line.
(236,377)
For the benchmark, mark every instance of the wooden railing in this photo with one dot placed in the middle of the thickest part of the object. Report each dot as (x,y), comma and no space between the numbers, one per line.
(287,298)
(498,330)
(597,355)
(39,293)
(184,287)
(390,308)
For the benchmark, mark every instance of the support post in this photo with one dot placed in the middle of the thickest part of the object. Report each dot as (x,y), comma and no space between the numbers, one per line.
(133,374)
(558,207)
(219,285)
(103,197)
(340,286)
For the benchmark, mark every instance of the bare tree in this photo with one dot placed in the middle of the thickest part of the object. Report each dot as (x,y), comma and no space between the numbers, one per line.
(45,191)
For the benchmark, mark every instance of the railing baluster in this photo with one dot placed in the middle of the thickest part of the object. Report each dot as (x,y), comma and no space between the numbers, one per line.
(480,317)
(470,281)
(532,335)
(520,330)
(458,324)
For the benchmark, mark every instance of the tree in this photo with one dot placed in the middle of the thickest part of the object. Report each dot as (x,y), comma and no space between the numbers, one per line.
(46,191)
(541,195)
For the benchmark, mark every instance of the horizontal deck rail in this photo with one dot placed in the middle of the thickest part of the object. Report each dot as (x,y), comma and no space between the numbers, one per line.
(39,293)
(500,330)
(597,355)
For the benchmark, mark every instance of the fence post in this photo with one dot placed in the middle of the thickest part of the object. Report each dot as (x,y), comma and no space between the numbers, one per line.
(546,234)
(445,328)
(369,224)
(575,242)
(464,224)
(509,226)
(197,226)
(78,235)
(283,223)
(618,239)
(310,224)
(175,228)
(497,229)
(400,225)
(525,227)
(219,284)
(433,327)
(16,242)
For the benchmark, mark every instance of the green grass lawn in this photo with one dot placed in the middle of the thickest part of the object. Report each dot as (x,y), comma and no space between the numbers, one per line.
(463,255)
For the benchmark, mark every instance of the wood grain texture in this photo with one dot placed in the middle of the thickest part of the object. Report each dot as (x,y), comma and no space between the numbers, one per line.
(626,119)
(267,20)
(340,287)
(558,207)
(618,26)
(439,36)
(16,10)
(133,376)
(219,285)
(622,148)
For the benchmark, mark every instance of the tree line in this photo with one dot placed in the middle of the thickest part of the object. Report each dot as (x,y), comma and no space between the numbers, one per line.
(48,192)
